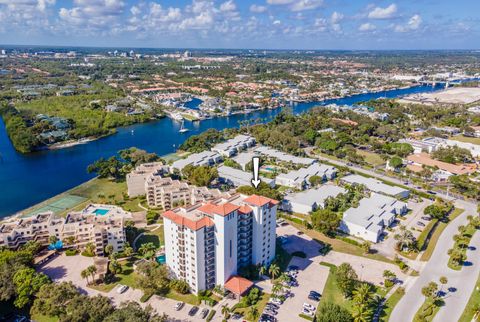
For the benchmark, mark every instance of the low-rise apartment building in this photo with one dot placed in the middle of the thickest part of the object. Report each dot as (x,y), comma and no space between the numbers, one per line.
(205,158)
(236,177)
(299,178)
(208,242)
(377,186)
(167,193)
(137,178)
(310,200)
(234,146)
(100,225)
(372,216)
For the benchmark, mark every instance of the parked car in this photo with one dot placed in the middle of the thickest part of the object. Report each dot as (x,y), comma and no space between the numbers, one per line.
(309,307)
(204,313)
(427,218)
(271,312)
(237,316)
(420,223)
(308,312)
(121,288)
(315,293)
(299,232)
(179,306)
(272,305)
(193,311)
(313,297)
(275,300)
(267,318)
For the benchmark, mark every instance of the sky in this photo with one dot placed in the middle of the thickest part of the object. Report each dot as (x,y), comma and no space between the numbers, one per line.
(262,24)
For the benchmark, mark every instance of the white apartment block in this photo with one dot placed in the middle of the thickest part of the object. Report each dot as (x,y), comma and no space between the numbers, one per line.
(207,243)
(236,177)
(310,200)
(372,216)
(234,146)
(167,193)
(299,178)
(137,178)
(375,185)
(282,156)
(207,158)
(101,225)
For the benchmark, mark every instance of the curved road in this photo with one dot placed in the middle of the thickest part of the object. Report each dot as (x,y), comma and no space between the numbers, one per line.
(463,281)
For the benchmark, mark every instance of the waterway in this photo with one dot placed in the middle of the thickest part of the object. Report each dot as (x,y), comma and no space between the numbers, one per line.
(28,179)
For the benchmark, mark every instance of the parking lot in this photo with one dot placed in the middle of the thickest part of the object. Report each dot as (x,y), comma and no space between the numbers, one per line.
(311,276)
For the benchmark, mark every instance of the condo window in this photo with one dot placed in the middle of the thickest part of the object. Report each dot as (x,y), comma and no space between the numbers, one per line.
(230,248)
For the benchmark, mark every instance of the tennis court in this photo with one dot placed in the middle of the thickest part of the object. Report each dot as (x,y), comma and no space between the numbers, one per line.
(59,205)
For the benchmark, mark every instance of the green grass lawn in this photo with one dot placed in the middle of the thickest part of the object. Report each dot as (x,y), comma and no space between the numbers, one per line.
(436,235)
(391,303)
(429,311)
(187,298)
(339,245)
(331,292)
(467,139)
(245,311)
(43,318)
(126,277)
(371,158)
(153,236)
(472,305)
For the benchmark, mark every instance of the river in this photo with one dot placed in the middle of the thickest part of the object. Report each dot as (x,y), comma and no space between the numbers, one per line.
(28,179)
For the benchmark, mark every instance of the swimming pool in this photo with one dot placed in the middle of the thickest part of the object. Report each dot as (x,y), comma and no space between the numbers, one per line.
(100,212)
(161,259)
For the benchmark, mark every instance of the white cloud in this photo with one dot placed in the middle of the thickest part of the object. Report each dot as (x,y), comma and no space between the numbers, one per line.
(228,6)
(302,5)
(257,9)
(280,2)
(277,22)
(367,27)
(336,17)
(413,24)
(383,13)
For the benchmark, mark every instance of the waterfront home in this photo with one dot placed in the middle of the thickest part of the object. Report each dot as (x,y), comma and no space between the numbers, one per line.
(234,146)
(205,158)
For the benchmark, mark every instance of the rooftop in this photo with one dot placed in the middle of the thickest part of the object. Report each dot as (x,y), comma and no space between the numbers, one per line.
(374,185)
(238,285)
(425,159)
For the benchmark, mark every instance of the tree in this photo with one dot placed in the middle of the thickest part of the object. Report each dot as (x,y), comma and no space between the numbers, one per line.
(395,162)
(346,278)
(366,246)
(326,221)
(115,267)
(362,313)
(27,283)
(362,294)
(315,180)
(112,168)
(52,299)
(405,239)
(52,239)
(254,313)
(90,249)
(109,249)
(263,270)
(443,280)
(92,270)
(226,311)
(430,290)
(200,176)
(132,312)
(128,251)
(148,250)
(274,271)
(331,312)
(152,278)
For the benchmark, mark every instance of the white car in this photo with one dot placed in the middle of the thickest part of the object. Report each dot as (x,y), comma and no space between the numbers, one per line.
(309,307)
(307,312)
(179,306)
(275,300)
(121,288)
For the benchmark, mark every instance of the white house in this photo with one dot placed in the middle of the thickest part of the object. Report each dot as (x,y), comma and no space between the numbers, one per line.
(310,200)
(299,178)
(376,186)
(372,216)
(238,177)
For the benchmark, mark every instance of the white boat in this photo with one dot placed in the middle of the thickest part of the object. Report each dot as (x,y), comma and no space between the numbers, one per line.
(183,129)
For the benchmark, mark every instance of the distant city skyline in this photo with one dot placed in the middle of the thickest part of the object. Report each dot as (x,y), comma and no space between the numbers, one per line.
(265,24)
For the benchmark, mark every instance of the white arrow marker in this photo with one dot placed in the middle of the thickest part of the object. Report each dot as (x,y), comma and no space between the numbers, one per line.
(255,180)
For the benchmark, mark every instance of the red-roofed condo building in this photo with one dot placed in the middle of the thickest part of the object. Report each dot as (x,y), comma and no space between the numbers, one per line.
(206,244)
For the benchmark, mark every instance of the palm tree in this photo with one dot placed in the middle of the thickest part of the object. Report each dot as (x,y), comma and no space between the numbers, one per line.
(90,248)
(274,271)
(263,270)
(85,274)
(362,294)
(405,239)
(225,311)
(276,288)
(115,267)
(92,270)
(147,250)
(52,239)
(361,313)
(128,251)
(109,249)
(254,314)
(443,280)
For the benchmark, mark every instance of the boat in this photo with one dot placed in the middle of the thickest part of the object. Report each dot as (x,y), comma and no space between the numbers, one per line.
(183,129)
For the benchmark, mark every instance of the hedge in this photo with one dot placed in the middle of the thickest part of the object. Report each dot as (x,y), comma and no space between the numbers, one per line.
(210,315)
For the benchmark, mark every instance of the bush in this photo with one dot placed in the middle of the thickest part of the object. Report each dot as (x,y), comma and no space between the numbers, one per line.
(152,217)
(71,252)
(87,254)
(388,283)
(350,241)
(210,315)
(145,297)
(180,286)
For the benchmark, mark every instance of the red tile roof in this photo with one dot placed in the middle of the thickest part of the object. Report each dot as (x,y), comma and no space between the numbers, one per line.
(260,201)
(244,209)
(191,224)
(238,285)
(222,210)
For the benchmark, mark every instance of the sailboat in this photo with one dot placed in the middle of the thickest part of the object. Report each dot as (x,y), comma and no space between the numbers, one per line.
(182,128)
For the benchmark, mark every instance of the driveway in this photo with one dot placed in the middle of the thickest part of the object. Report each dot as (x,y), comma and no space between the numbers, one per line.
(464,280)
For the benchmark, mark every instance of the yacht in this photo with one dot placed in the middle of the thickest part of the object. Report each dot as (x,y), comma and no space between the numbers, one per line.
(182,128)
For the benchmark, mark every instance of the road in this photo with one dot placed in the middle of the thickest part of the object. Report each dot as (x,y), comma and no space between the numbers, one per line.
(463,281)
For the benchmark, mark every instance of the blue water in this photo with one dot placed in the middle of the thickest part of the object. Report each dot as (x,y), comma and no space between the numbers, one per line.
(28,179)
(161,259)
(101,212)
(193,103)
